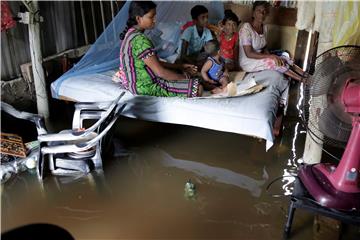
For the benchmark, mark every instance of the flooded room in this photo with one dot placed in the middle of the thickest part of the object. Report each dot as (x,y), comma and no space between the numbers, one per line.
(180,120)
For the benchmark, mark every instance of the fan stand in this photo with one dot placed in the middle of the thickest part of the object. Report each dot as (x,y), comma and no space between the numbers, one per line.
(326,189)
(301,199)
(338,187)
(325,182)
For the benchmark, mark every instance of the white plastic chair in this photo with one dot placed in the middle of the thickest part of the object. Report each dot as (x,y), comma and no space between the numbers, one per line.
(77,150)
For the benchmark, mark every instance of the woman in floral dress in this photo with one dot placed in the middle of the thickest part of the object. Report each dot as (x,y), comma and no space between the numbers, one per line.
(140,70)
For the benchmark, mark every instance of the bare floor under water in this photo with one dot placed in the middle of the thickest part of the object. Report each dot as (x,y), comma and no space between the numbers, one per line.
(140,194)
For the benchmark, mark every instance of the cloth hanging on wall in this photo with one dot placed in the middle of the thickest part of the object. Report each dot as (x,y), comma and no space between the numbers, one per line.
(305,15)
(337,22)
(309,15)
(347,24)
(7,20)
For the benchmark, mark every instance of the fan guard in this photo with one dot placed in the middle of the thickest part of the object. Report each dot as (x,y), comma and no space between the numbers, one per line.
(323,112)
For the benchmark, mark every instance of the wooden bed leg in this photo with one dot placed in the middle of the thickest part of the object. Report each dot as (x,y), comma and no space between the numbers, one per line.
(278,121)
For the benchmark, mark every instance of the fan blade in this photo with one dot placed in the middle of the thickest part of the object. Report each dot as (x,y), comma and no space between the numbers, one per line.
(324,76)
(333,127)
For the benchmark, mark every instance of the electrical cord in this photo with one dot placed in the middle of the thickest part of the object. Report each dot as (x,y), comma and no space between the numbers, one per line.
(317,141)
(275,180)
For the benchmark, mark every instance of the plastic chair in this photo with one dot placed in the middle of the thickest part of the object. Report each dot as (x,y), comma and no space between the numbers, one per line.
(18,122)
(76,150)
(79,150)
(35,118)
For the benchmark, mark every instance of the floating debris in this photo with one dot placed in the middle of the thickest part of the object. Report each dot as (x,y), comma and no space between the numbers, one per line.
(190,190)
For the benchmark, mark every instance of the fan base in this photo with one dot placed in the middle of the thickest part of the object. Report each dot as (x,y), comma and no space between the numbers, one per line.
(321,189)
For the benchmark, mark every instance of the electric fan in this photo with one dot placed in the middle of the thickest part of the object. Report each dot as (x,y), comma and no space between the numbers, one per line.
(332,116)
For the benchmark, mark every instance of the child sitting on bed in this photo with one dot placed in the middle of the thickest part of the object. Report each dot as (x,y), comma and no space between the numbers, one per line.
(195,37)
(228,38)
(214,71)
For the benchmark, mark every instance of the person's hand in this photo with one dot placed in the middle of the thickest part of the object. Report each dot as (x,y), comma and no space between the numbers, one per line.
(212,82)
(187,76)
(189,68)
(224,79)
(226,74)
(278,61)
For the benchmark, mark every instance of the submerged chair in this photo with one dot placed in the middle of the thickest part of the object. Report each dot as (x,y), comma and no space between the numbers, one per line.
(77,150)
(35,118)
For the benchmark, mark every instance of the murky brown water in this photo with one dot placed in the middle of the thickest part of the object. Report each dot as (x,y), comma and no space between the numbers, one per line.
(141,192)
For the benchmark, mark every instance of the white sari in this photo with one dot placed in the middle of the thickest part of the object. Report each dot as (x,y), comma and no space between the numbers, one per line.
(249,37)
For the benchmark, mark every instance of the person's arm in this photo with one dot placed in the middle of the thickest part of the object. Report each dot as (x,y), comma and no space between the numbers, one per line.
(154,64)
(185,40)
(184,49)
(265,50)
(251,53)
(226,77)
(204,71)
(226,71)
(245,36)
(174,66)
(188,68)
(218,37)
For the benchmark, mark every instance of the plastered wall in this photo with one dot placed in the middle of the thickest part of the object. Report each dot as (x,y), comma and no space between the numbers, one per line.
(281,25)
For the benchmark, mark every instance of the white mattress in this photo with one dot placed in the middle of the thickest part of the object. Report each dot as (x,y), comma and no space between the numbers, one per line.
(250,115)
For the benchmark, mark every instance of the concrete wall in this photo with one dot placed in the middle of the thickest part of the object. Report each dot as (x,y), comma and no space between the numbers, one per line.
(19,93)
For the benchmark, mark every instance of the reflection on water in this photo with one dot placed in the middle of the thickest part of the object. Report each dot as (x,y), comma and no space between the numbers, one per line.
(217,174)
(292,164)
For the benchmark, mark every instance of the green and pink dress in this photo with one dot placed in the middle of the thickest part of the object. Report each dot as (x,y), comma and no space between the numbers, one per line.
(139,79)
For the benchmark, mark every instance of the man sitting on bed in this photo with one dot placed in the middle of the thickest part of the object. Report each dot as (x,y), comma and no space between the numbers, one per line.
(195,37)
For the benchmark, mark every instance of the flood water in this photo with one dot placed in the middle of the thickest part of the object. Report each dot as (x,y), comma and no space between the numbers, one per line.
(140,194)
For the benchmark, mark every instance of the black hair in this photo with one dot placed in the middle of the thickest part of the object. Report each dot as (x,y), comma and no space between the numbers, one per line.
(230,16)
(197,10)
(212,47)
(137,8)
(260,3)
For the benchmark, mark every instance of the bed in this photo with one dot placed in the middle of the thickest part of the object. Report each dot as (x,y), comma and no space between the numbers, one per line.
(252,115)
(90,80)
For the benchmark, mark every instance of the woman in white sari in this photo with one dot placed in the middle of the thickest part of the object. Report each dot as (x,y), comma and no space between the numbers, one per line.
(253,55)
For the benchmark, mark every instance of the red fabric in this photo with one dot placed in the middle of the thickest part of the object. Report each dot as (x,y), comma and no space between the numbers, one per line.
(227,47)
(211,27)
(186,25)
(6,17)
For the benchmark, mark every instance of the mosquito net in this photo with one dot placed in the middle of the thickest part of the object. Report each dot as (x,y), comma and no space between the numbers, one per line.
(103,55)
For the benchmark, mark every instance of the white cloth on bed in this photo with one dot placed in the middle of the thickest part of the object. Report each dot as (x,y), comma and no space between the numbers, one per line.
(250,115)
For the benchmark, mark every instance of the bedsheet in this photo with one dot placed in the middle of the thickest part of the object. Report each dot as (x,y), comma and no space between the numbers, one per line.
(250,115)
